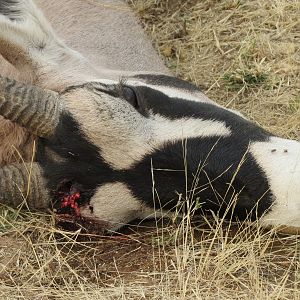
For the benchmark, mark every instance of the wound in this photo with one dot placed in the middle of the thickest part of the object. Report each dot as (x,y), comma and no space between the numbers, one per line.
(70,201)
(69,197)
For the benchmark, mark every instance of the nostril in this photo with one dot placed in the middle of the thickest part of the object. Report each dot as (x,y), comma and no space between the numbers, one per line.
(91,209)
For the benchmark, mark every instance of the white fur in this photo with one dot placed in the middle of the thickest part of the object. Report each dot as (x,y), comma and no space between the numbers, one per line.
(125,136)
(114,203)
(280,160)
(166,131)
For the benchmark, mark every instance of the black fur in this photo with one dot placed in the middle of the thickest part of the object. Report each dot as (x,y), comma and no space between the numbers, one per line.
(175,108)
(227,153)
(82,166)
(173,176)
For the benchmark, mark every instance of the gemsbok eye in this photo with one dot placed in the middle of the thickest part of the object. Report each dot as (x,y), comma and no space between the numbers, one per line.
(130,96)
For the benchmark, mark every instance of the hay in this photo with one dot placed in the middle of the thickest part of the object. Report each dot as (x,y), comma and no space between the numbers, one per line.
(242,54)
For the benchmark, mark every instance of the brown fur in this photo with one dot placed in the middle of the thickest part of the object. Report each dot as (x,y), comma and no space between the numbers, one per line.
(16,143)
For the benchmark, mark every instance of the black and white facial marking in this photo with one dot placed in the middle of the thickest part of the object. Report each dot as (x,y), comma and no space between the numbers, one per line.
(157,133)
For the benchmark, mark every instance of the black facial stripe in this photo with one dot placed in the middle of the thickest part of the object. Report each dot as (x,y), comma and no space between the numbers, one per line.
(220,165)
(82,164)
(176,108)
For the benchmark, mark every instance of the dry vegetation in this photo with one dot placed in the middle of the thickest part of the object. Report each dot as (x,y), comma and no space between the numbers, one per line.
(243,54)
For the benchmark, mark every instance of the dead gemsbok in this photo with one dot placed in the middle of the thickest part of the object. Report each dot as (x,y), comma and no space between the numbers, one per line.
(108,150)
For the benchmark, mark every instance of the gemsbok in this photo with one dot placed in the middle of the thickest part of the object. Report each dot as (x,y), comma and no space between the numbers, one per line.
(95,127)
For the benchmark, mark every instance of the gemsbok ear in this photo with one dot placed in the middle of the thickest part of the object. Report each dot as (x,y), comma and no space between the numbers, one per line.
(23,184)
(36,109)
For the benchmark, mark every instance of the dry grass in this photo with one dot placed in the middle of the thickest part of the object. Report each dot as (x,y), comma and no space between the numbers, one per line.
(245,55)
(213,260)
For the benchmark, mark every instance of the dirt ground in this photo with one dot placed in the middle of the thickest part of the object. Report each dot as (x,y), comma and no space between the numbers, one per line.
(244,55)
(206,260)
